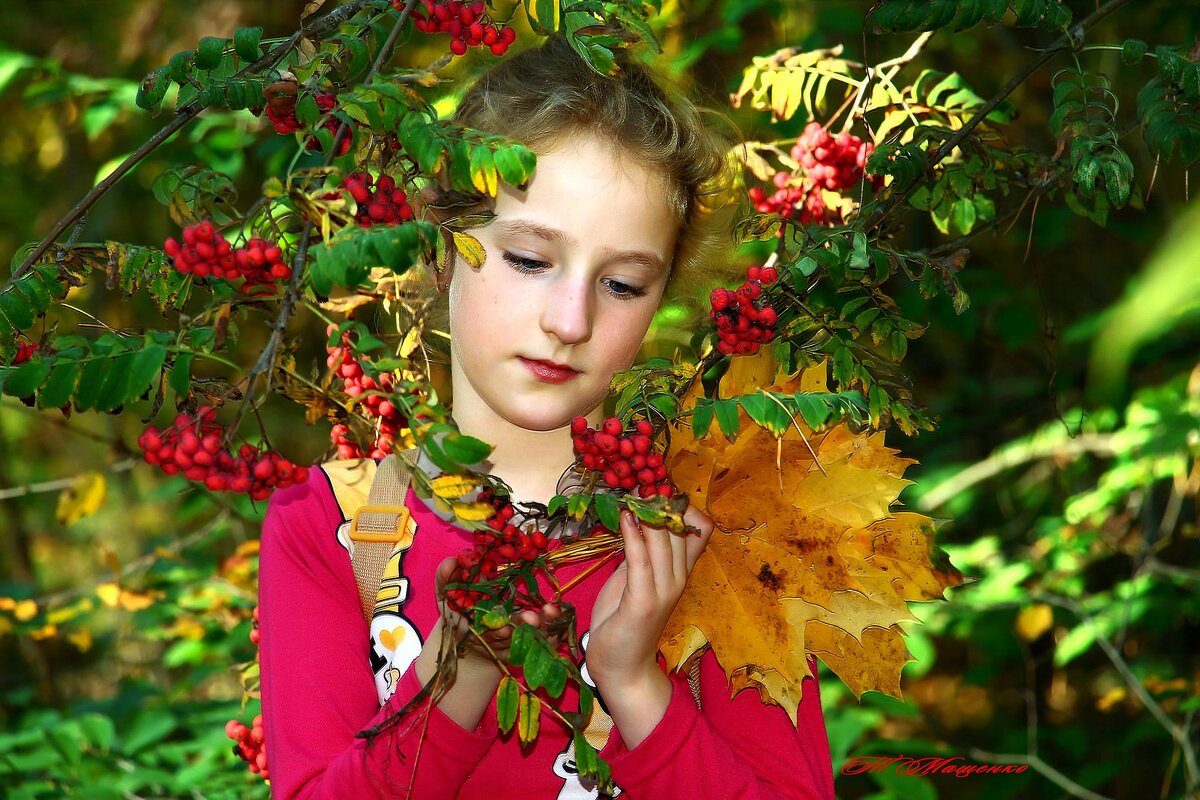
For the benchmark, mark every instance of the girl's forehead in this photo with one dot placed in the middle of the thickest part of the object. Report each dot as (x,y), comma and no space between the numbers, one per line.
(585,185)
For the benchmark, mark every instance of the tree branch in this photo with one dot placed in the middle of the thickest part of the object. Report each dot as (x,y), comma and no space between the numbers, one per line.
(182,117)
(291,298)
(1070,40)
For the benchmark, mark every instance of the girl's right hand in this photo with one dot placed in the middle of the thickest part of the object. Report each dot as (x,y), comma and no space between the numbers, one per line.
(498,640)
(477,675)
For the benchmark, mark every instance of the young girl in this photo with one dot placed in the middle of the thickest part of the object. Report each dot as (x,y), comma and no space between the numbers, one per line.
(576,266)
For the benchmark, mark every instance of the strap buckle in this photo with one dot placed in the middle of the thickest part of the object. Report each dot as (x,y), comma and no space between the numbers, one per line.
(400,533)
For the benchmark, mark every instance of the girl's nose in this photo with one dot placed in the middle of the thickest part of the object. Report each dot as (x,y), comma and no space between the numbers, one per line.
(567,309)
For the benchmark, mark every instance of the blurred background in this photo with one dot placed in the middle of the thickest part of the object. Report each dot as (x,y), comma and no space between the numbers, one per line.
(125,595)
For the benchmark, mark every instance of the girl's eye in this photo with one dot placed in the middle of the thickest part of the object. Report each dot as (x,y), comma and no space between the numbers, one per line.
(530,266)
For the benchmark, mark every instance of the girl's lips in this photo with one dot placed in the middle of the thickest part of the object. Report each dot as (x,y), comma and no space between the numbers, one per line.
(544,372)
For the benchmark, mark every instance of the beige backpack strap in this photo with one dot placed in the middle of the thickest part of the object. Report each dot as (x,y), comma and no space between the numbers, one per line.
(378,527)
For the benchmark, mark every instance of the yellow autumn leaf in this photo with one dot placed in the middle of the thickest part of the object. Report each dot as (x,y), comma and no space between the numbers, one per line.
(81,498)
(473,512)
(115,596)
(1033,621)
(452,485)
(44,632)
(25,610)
(469,248)
(807,556)
(82,639)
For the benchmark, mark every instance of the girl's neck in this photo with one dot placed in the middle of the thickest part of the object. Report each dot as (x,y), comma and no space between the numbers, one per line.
(531,462)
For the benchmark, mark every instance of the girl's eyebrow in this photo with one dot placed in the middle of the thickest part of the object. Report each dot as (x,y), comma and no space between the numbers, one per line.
(649,261)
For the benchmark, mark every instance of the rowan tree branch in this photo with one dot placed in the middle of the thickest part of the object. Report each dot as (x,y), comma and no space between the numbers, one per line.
(1072,39)
(291,298)
(182,117)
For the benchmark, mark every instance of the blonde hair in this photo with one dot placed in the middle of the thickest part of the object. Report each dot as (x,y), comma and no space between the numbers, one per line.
(543,96)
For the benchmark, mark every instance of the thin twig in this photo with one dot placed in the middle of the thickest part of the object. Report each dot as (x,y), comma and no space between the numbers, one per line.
(1041,767)
(62,483)
(1177,732)
(138,564)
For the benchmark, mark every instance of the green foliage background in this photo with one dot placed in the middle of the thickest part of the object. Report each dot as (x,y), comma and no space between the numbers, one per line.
(1068,400)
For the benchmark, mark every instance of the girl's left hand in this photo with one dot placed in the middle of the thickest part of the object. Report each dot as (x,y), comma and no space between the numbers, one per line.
(633,607)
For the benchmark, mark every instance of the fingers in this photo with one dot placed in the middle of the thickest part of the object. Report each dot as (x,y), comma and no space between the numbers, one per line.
(640,580)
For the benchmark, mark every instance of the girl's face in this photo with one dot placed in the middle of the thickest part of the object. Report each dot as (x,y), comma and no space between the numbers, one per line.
(574,271)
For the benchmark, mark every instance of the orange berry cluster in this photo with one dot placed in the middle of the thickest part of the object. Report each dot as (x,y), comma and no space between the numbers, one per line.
(204,253)
(834,163)
(389,419)
(467,23)
(192,446)
(251,745)
(502,543)
(743,320)
(623,457)
(379,203)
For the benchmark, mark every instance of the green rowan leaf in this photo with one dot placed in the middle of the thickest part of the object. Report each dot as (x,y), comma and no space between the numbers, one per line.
(508,696)
(180,66)
(91,381)
(702,416)
(146,366)
(208,54)
(153,89)
(118,383)
(608,509)
(727,417)
(60,385)
(814,409)
(24,380)
(1133,51)
(246,43)
(544,15)
(307,111)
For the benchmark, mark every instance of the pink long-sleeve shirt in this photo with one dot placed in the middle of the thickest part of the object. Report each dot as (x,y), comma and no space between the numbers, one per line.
(325,677)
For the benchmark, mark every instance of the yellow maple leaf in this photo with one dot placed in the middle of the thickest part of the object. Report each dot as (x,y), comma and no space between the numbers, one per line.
(81,498)
(807,556)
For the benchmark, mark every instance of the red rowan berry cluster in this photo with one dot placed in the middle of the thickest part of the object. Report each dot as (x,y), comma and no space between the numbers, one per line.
(192,446)
(251,745)
(467,23)
(389,419)
(281,110)
(502,543)
(743,320)
(380,204)
(204,253)
(832,163)
(792,198)
(623,457)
